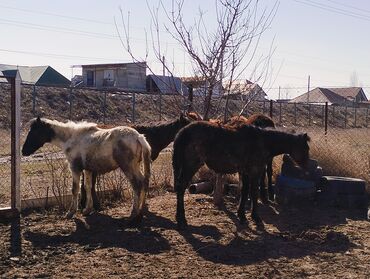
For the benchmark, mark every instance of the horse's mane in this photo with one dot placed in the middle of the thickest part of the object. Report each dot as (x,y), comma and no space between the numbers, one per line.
(80,126)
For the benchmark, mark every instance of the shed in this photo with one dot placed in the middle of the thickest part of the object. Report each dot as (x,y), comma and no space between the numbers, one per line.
(125,76)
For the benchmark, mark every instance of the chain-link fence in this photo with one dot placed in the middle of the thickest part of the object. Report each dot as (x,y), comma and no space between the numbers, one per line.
(340,135)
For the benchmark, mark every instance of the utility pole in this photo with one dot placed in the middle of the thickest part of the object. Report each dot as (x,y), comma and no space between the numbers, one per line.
(308,89)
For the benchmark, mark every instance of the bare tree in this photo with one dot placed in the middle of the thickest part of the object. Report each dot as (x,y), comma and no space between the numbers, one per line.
(218,55)
(222,55)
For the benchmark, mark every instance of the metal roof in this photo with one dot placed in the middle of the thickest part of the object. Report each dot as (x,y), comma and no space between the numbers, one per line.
(37,75)
(168,84)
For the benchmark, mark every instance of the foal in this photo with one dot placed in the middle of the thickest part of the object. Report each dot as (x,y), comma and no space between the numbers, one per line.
(258,120)
(245,149)
(90,149)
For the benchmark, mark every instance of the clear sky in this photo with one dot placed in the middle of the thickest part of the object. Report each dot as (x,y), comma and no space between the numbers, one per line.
(326,39)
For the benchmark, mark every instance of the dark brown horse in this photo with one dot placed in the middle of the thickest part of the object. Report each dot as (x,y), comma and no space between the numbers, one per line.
(159,135)
(259,120)
(245,149)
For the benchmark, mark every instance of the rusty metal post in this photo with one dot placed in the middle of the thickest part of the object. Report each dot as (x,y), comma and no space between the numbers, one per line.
(309,114)
(15,142)
(326,117)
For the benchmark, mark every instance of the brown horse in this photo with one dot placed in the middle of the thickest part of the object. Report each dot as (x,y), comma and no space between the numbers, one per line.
(259,120)
(245,149)
(159,135)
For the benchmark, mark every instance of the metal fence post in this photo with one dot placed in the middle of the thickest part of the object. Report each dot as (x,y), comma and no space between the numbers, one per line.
(295,114)
(34,99)
(70,102)
(133,100)
(326,117)
(280,113)
(323,111)
(15,142)
(309,114)
(271,108)
(104,106)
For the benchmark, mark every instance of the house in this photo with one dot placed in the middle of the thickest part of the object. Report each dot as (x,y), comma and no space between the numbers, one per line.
(125,76)
(200,85)
(166,85)
(244,90)
(36,75)
(351,96)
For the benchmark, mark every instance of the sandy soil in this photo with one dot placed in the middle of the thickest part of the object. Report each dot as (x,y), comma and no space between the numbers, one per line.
(293,243)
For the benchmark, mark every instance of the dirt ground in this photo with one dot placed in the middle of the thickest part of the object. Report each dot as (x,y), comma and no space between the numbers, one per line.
(308,242)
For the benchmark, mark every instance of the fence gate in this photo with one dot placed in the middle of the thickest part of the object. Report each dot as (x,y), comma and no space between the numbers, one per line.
(14,208)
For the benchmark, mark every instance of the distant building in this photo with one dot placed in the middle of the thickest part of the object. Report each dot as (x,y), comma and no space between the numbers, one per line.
(200,86)
(36,75)
(165,85)
(350,96)
(126,76)
(245,90)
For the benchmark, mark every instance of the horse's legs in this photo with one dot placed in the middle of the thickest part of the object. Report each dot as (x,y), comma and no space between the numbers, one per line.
(254,179)
(218,190)
(88,184)
(269,180)
(96,202)
(263,190)
(188,169)
(243,197)
(75,190)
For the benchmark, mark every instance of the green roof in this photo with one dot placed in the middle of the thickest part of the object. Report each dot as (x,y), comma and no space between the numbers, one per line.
(37,75)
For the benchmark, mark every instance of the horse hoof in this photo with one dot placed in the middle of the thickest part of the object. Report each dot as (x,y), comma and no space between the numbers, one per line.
(87,211)
(182,225)
(70,215)
(135,221)
(257,219)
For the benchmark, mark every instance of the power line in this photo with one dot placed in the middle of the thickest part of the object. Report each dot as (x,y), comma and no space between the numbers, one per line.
(58,15)
(333,9)
(349,6)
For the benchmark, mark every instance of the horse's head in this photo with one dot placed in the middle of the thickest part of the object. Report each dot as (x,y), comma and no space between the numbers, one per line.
(187,118)
(300,150)
(40,133)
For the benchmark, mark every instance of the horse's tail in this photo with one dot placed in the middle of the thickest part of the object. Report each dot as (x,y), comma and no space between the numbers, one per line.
(146,152)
